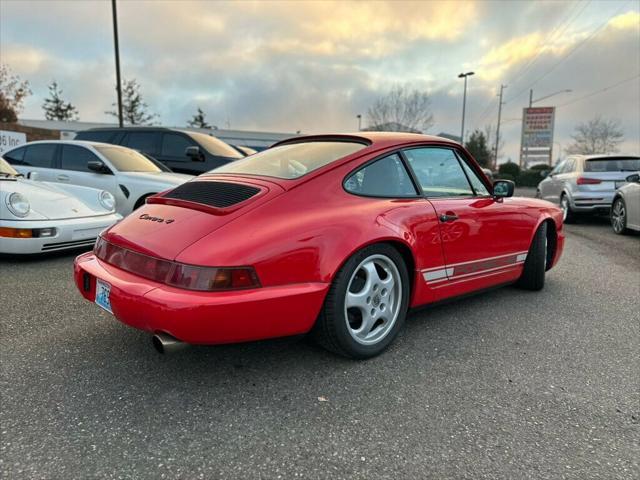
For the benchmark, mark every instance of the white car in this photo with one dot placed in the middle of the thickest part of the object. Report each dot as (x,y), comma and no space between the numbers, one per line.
(125,173)
(625,209)
(40,217)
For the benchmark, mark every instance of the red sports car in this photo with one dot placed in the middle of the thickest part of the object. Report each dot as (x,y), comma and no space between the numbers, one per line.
(337,235)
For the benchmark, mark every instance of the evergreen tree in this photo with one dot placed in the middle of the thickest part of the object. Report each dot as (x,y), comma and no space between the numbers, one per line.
(134,109)
(55,108)
(198,120)
(477,146)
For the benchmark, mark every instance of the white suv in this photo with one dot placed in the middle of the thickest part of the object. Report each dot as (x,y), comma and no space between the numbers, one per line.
(128,175)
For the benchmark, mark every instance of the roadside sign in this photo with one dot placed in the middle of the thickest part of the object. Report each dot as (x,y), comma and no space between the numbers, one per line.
(8,140)
(536,144)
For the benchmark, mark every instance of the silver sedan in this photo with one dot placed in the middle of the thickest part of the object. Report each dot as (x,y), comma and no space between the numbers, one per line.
(586,183)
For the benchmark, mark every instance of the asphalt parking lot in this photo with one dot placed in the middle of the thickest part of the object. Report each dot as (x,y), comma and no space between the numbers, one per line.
(506,384)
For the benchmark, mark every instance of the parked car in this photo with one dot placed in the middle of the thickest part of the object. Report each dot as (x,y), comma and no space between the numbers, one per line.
(586,183)
(625,209)
(245,151)
(488,173)
(334,234)
(181,150)
(128,175)
(40,217)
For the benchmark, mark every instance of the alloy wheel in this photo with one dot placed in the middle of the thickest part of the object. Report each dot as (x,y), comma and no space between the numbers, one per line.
(373,299)
(618,216)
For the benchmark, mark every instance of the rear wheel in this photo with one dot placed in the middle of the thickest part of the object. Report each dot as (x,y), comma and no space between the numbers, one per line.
(141,201)
(366,305)
(619,216)
(535,265)
(568,215)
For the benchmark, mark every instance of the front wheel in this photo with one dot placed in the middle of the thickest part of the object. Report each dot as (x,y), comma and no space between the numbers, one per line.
(366,305)
(535,265)
(619,216)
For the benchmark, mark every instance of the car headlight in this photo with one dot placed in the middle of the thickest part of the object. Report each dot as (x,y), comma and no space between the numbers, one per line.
(107,200)
(18,204)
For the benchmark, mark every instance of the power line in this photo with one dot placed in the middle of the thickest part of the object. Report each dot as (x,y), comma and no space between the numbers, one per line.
(553,36)
(564,57)
(597,92)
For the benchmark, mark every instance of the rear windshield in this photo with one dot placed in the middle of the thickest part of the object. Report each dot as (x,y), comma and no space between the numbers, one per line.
(613,164)
(215,146)
(127,160)
(291,161)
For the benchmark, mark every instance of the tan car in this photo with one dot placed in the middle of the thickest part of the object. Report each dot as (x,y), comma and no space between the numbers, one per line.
(625,209)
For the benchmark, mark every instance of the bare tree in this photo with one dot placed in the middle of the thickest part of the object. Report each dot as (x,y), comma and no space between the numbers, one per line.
(490,135)
(598,135)
(13,92)
(199,120)
(134,109)
(401,109)
(55,108)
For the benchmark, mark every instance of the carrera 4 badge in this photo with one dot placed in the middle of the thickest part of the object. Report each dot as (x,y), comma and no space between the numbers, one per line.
(145,216)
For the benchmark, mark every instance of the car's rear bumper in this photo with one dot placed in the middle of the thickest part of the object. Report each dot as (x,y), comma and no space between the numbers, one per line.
(592,202)
(203,317)
(70,233)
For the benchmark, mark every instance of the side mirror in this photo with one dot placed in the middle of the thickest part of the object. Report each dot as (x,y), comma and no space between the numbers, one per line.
(634,178)
(194,154)
(503,188)
(97,166)
(544,173)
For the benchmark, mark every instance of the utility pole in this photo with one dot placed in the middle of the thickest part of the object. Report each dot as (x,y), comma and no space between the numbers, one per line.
(117,51)
(464,102)
(530,98)
(359,117)
(495,161)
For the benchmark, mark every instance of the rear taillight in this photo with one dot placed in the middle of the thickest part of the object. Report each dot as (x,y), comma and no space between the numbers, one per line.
(189,277)
(588,181)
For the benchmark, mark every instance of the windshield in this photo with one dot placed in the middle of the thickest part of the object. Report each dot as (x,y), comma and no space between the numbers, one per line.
(613,164)
(127,160)
(291,161)
(215,146)
(6,169)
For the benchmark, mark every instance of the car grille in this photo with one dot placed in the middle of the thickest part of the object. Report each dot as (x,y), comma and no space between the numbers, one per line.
(214,194)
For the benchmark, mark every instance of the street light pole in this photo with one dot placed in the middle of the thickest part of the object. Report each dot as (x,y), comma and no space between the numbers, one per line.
(117,52)
(464,103)
(359,117)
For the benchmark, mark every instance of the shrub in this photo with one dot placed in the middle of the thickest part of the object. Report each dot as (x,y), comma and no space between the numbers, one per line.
(541,166)
(509,168)
(505,176)
(528,178)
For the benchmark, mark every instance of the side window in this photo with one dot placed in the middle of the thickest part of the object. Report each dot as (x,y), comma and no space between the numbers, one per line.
(40,155)
(76,158)
(16,156)
(143,141)
(439,172)
(558,168)
(174,145)
(568,166)
(476,183)
(386,177)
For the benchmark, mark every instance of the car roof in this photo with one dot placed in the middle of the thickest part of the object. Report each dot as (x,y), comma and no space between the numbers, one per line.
(135,128)
(373,139)
(603,156)
(81,143)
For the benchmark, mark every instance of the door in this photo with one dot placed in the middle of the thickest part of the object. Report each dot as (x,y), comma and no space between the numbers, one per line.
(550,187)
(484,240)
(74,170)
(38,158)
(173,153)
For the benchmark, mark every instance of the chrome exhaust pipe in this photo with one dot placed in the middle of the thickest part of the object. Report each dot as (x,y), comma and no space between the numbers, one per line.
(165,343)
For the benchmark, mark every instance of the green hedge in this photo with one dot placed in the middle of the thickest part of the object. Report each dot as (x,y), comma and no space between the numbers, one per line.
(509,168)
(529,178)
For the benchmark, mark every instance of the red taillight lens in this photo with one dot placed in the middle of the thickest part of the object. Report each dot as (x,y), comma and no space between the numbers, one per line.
(588,181)
(190,277)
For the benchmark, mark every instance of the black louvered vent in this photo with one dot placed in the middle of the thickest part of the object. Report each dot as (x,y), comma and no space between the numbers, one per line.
(215,194)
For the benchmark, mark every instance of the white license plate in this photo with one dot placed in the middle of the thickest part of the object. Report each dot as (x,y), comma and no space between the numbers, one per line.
(103,290)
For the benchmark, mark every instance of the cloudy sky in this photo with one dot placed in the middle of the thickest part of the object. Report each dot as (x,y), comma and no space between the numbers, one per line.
(313,66)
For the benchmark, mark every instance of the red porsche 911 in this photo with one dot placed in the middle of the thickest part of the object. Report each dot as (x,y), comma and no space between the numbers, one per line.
(336,235)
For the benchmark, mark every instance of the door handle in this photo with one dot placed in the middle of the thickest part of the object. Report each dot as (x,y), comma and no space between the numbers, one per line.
(63,178)
(448,217)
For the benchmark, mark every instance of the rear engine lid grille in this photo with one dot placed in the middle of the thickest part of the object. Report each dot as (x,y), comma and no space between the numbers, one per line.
(214,194)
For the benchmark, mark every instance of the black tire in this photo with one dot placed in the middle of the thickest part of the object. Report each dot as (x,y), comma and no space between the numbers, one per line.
(535,265)
(618,216)
(569,216)
(331,330)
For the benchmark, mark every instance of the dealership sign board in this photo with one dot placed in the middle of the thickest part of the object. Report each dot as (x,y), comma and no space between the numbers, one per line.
(537,134)
(8,140)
